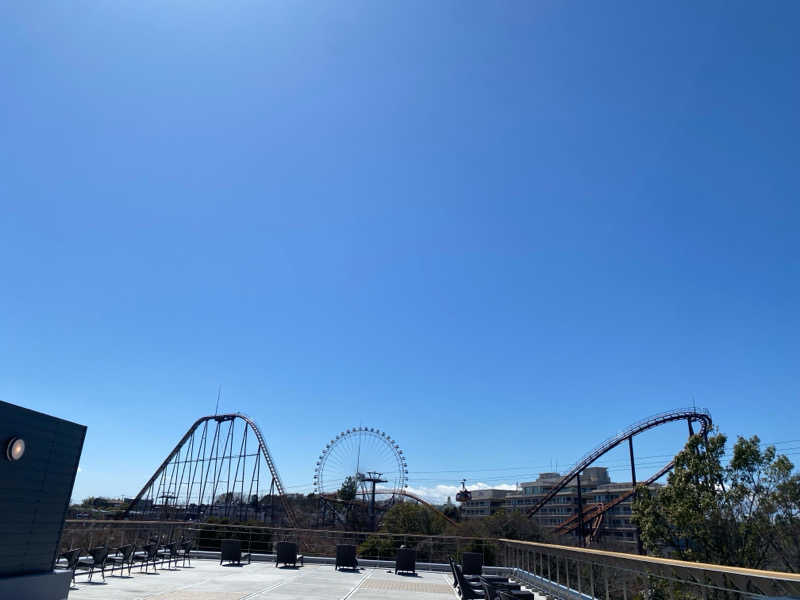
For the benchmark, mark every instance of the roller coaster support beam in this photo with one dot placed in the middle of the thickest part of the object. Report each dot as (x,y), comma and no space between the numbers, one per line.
(633,487)
(580,513)
(691,415)
(190,465)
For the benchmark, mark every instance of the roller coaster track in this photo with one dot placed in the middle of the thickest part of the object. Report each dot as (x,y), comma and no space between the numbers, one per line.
(422,501)
(690,415)
(407,494)
(594,510)
(276,479)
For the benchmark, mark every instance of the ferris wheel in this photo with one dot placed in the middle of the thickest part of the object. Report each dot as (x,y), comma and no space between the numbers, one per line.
(365,454)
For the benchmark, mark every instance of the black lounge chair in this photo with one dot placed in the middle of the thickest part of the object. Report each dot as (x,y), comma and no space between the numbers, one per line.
(185,549)
(68,561)
(231,552)
(493,589)
(346,557)
(96,560)
(122,556)
(472,563)
(473,579)
(453,570)
(406,561)
(514,595)
(146,556)
(286,553)
(467,590)
(169,553)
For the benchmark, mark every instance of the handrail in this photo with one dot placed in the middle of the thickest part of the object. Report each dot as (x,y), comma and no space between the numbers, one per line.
(116,523)
(693,573)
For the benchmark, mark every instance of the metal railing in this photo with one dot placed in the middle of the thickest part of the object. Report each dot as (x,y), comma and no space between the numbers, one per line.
(260,540)
(582,574)
(563,572)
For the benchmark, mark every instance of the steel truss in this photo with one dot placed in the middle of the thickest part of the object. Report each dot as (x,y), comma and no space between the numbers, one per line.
(593,514)
(220,468)
(333,515)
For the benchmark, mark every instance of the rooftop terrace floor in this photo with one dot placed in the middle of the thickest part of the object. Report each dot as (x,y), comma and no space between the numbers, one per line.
(207,580)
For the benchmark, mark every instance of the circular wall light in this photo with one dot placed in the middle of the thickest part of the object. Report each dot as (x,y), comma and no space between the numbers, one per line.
(15,448)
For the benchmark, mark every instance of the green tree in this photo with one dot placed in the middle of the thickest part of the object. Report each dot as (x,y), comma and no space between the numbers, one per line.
(402,518)
(725,514)
(787,522)
(450,510)
(408,517)
(348,490)
(229,498)
(511,525)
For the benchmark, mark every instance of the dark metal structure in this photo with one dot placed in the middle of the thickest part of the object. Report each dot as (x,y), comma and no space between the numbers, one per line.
(394,494)
(220,467)
(593,514)
(421,500)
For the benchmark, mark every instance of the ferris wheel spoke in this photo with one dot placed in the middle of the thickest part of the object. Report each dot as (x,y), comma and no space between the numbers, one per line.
(360,450)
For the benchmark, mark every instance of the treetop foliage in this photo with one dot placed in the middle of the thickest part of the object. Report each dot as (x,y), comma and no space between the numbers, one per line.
(745,513)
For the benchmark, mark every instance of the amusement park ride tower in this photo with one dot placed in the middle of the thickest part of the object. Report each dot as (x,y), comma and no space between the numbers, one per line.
(372,477)
(366,457)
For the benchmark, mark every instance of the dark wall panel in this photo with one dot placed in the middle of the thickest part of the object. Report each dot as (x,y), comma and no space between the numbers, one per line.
(35,491)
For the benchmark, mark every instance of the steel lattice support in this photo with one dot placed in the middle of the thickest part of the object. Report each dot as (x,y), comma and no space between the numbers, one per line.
(690,415)
(214,470)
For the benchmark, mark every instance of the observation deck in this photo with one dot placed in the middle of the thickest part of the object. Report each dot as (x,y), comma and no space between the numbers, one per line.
(558,572)
(207,580)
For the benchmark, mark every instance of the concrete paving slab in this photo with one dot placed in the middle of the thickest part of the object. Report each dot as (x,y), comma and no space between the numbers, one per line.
(207,580)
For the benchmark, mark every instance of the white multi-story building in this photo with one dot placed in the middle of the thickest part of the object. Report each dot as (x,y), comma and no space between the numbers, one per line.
(596,488)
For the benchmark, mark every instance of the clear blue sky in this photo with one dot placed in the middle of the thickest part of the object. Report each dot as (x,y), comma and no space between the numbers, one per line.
(499,231)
